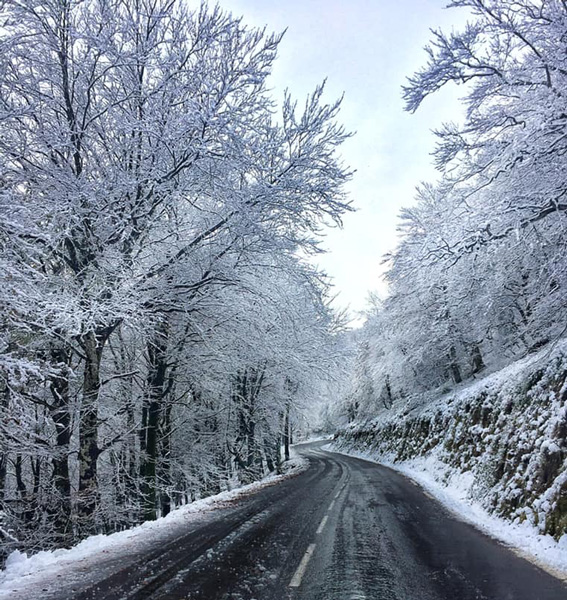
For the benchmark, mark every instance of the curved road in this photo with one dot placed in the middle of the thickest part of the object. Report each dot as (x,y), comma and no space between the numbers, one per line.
(345,529)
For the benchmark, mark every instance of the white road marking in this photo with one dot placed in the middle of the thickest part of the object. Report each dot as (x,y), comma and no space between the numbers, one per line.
(339,492)
(322,525)
(296,580)
(300,572)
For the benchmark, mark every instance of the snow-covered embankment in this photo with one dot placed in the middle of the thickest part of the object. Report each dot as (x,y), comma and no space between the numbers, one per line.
(495,452)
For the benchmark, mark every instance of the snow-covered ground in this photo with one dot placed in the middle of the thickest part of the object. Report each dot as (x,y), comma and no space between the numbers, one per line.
(492,450)
(99,554)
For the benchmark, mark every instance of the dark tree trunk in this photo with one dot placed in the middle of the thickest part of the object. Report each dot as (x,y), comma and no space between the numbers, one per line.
(254,458)
(292,388)
(251,449)
(269,458)
(61,415)
(4,403)
(149,460)
(247,454)
(36,464)
(272,452)
(27,502)
(20,485)
(454,365)
(3,464)
(165,456)
(127,471)
(157,357)
(131,485)
(476,359)
(389,401)
(286,432)
(92,344)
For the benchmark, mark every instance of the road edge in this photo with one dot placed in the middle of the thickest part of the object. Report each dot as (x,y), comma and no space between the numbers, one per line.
(452,504)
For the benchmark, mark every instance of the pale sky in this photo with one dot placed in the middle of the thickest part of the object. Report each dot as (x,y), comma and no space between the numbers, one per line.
(366,49)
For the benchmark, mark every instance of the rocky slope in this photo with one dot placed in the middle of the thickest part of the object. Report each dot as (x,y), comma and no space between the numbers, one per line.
(504,436)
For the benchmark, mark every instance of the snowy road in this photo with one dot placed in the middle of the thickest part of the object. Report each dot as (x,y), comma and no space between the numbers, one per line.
(345,529)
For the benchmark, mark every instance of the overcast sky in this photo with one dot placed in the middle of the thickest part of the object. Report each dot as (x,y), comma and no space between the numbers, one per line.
(366,49)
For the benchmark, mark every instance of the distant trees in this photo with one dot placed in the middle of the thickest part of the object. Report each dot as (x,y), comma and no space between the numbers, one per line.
(480,275)
(152,203)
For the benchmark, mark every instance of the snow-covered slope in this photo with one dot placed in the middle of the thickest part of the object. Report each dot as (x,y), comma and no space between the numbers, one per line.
(499,445)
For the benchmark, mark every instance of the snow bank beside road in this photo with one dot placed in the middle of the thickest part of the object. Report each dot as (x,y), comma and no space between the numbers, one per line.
(495,451)
(80,561)
(453,489)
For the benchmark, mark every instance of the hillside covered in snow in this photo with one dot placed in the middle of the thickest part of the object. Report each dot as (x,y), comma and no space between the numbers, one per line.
(497,444)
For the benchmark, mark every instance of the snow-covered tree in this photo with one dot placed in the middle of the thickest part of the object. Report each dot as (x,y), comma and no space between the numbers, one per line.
(480,274)
(147,176)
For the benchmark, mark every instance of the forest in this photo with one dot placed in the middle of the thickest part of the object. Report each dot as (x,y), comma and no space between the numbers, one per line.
(161,324)
(164,332)
(478,279)
(458,377)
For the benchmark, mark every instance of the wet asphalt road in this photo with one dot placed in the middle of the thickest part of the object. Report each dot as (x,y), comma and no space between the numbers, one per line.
(345,529)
